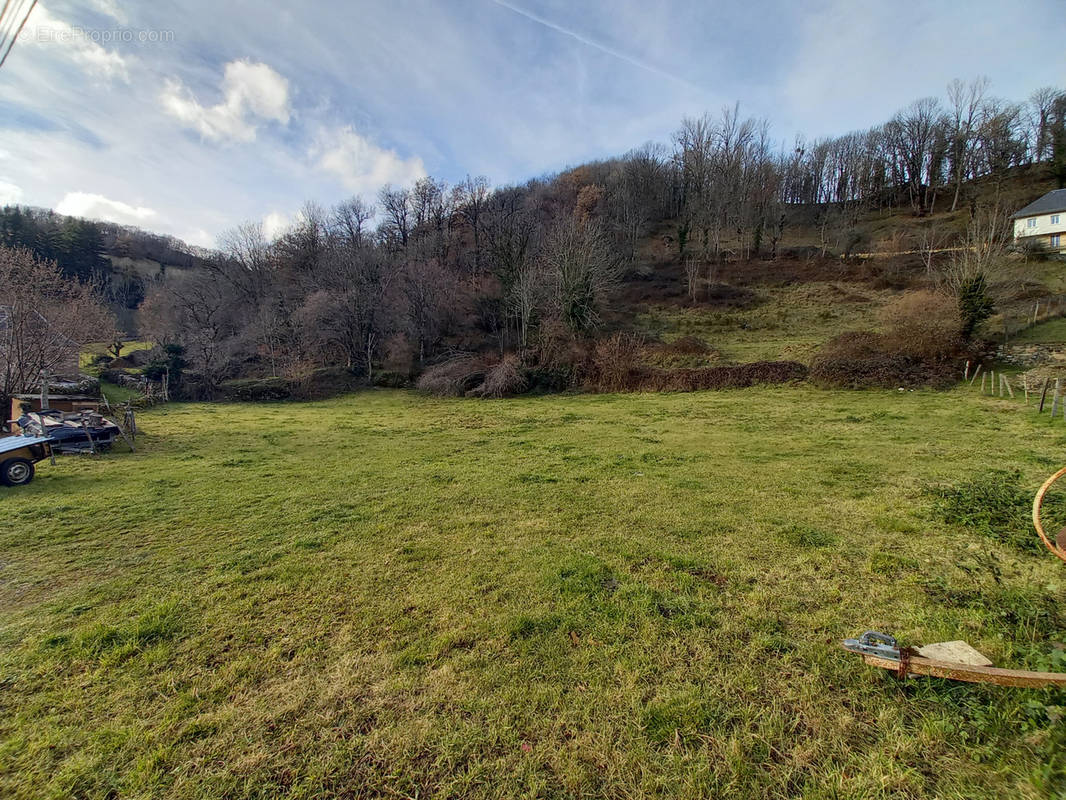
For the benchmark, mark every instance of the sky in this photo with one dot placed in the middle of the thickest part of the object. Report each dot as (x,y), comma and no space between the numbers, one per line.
(190,117)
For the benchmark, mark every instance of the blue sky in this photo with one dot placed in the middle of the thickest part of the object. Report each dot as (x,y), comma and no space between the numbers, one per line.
(246,110)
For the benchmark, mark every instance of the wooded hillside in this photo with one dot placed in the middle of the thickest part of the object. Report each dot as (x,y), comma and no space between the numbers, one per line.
(544,270)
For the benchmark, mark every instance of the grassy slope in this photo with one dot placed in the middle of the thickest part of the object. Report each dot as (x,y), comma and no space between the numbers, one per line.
(788,322)
(1050,332)
(618,595)
(804,303)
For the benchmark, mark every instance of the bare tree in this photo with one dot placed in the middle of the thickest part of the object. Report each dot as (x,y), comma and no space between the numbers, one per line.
(526,297)
(914,132)
(396,207)
(981,252)
(427,290)
(469,199)
(45,318)
(692,278)
(965,100)
(1001,138)
(349,219)
(582,270)
(198,313)
(430,212)
(356,313)
(247,262)
(1042,102)
(931,240)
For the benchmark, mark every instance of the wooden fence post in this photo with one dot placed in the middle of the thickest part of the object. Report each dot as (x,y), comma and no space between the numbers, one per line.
(1006,382)
(45,387)
(88,434)
(1043,396)
(1055,398)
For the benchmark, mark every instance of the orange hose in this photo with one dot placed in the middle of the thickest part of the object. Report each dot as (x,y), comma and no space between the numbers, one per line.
(1038,503)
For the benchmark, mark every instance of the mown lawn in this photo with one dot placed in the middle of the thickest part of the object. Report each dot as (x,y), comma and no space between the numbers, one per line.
(612,596)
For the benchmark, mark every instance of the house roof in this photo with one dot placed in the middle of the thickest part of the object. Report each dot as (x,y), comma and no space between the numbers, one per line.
(1051,202)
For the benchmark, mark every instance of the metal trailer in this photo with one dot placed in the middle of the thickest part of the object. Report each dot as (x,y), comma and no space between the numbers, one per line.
(18,454)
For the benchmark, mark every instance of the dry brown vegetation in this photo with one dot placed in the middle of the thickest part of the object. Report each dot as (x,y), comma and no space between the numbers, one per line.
(923,325)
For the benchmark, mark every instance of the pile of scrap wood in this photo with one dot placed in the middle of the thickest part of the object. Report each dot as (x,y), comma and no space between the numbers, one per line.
(71,432)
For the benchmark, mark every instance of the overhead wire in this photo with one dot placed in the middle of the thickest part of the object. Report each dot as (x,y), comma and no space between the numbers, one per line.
(22,23)
(5,22)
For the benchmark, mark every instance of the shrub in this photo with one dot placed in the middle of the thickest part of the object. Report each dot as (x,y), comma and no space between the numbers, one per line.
(505,379)
(735,376)
(454,377)
(612,364)
(115,376)
(975,304)
(255,390)
(389,379)
(326,382)
(881,370)
(861,359)
(313,385)
(722,295)
(551,378)
(140,358)
(924,325)
(688,351)
(687,346)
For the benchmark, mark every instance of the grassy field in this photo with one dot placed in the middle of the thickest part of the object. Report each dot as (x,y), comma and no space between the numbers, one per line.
(603,596)
(786,322)
(95,349)
(1050,332)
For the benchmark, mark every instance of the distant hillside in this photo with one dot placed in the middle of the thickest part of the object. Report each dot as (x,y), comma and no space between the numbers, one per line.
(123,259)
(787,306)
(746,250)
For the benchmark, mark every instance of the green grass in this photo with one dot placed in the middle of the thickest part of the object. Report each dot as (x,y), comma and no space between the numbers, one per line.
(602,596)
(91,351)
(117,395)
(1050,332)
(790,322)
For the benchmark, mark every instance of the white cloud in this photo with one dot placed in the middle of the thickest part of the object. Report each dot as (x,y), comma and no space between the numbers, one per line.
(96,206)
(251,92)
(274,224)
(361,165)
(198,237)
(47,31)
(9,193)
(111,9)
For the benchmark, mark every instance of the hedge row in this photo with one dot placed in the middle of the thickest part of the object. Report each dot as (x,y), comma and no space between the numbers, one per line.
(319,384)
(735,376)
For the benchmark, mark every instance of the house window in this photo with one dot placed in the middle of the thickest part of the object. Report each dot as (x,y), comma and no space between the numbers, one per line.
(1031,222)
(1054,219)
(1054,240)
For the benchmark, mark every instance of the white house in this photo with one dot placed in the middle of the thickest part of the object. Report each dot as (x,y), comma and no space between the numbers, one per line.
(1044,220)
